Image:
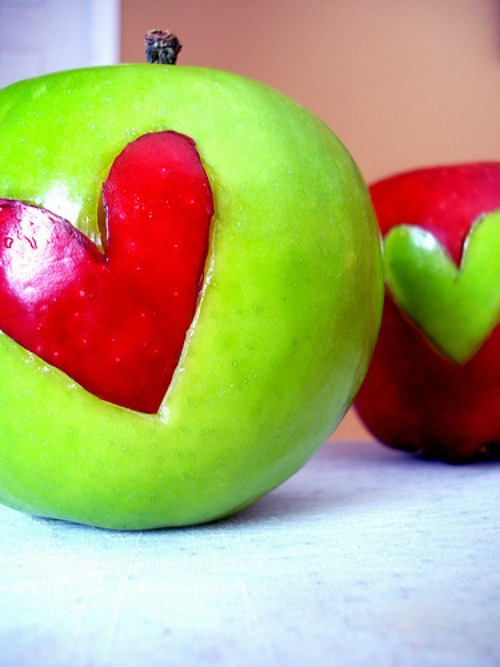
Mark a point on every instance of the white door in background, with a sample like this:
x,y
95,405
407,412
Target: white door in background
x,y
40,36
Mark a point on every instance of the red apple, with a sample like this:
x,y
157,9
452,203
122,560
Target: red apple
x,y
434,381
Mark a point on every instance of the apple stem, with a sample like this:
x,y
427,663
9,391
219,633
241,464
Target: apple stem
x,y
161,47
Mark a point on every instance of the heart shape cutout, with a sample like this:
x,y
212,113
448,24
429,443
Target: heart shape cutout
x,y
455,307
114,321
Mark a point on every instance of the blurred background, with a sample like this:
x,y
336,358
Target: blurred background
x,y
403,84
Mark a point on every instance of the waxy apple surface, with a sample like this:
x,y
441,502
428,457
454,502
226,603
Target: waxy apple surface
x,y
285,322
434,381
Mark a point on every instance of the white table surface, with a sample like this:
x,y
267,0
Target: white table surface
x,y
366,557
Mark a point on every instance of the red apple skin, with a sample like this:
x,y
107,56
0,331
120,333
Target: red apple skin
x,y
114,321
413,398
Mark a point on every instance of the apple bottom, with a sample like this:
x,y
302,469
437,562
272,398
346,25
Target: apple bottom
x,y
415,399
200,459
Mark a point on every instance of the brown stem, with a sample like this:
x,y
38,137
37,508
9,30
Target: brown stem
x,y
161,47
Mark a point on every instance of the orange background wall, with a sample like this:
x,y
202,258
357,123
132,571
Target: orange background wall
x,y
402,83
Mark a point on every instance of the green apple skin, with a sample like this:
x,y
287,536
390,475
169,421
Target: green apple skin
x,y
286,321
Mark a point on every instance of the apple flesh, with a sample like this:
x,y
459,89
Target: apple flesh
x,y
113,321
416,396
285,321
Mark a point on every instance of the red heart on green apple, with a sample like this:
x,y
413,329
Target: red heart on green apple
x,y
455,307
114,321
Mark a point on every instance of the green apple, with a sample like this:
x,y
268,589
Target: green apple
x,y
285,323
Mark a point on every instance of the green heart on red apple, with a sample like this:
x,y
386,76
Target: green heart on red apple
x,y
455,307
284,324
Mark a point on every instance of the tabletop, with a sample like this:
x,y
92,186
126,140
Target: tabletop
x,y
367,556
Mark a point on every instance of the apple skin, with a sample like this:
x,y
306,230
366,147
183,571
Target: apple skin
x,y
414,398
286,320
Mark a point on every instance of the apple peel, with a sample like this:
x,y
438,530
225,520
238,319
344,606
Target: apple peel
x,y
114,321
456,308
